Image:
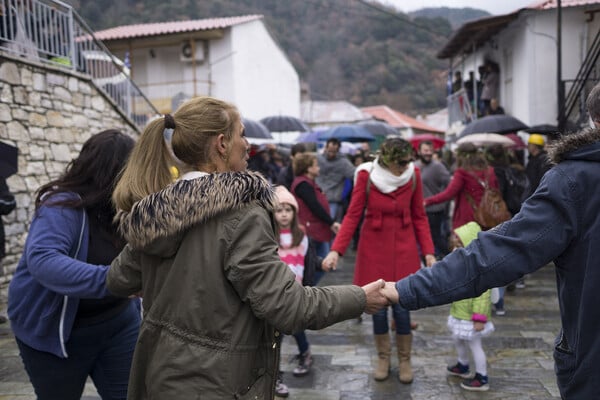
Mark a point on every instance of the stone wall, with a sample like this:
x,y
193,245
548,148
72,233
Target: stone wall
x,y
48,113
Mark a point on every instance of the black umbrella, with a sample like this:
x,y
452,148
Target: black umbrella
x,y
284,123
8,160
379,128
255,129
494,124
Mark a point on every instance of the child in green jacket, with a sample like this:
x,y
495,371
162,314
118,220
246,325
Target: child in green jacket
x,y
469,321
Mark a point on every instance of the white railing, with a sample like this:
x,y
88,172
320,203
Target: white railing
x,y
50,31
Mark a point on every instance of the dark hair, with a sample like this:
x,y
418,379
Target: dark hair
x,y
470,158
427,142
92,175
496,154
297,148
297,233
334,141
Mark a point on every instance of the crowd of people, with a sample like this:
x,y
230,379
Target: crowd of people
x,y
227,254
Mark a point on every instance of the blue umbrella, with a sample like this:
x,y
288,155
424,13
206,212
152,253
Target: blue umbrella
x,y
379,128
309,137
348,133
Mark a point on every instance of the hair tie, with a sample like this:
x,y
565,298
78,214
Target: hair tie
x,y
169,121
168,136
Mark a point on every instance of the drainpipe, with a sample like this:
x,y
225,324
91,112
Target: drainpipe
x,y
559,82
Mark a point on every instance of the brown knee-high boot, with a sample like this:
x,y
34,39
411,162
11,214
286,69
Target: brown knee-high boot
x,y
384,350
404,343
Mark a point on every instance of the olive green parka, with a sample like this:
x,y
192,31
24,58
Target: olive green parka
x,y
215,293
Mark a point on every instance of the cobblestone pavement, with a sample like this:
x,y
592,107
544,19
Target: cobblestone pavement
x,y
519,353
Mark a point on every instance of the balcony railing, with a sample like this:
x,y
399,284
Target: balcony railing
x,y
50,31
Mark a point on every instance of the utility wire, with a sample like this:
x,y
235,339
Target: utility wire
x,y
399,17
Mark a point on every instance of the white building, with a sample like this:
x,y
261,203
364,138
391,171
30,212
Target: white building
x,y
234,59
524,44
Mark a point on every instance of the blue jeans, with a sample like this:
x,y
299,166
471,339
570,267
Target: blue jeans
x,y
301,341
322,249
103,351
401,317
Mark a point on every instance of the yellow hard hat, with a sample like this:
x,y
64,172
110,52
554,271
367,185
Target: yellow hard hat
x,y
536,139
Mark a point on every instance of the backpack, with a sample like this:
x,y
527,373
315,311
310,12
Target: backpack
x,y
491,210
517,188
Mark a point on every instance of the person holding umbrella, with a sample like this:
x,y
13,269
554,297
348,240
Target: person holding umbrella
x,y
465,187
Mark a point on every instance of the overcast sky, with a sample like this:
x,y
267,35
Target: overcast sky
x,y
495,7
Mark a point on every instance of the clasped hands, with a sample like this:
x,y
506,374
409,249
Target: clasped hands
x,y
380,294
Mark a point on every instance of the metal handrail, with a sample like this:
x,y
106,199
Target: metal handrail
x,y
50,31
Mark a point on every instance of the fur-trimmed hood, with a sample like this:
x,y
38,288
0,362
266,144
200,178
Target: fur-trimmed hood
x,y
169,213
583,145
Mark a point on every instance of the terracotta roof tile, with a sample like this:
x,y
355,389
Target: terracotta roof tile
x,y
397,119
162,28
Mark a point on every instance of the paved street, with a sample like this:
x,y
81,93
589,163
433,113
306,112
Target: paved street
x,y
519,354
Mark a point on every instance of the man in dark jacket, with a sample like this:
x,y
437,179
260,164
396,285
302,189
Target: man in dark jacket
x,y
559,223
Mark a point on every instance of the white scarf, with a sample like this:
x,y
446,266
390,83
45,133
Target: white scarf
x,y
382,178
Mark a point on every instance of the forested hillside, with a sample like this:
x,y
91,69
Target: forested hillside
x,y
456,16
350,50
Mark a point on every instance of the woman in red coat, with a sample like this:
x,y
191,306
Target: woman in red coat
x,y
389,193
472,167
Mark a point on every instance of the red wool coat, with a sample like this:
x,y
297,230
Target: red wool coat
x,y
394,223
464,182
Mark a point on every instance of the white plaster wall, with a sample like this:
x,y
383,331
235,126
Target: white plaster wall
x,y
266,83
526,51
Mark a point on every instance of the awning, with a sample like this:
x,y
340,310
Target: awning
x,y
476,32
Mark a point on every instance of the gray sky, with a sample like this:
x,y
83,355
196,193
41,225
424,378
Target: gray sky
x,y
495,7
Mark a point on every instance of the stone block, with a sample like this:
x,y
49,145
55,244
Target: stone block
x,y
6,94
19,95
26,77
5,113
36,133
36,153
10,73
35,168
63,94
35,99
36,119
16,131
61,152
55,118
98,103
39,82
55,79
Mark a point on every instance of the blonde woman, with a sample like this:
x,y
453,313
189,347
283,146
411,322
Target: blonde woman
x,y
204,254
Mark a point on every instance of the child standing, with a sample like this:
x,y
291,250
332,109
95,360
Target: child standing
x,y
294,251
469,321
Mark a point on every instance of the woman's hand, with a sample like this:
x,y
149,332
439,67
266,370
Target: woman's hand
x,y
335,227
430,260
478,326
330,262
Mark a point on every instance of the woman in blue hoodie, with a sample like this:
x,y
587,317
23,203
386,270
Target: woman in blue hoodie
x,y
66,324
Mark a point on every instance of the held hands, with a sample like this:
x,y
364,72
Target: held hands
x,y
330,262
478,326
391,292
380,294
376,300
430,260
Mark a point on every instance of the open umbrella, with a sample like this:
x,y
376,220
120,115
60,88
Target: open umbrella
x,y
8,160
519,144
255,129
495,124
437,141
348,133
309,137
284,123
486,139
379,128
